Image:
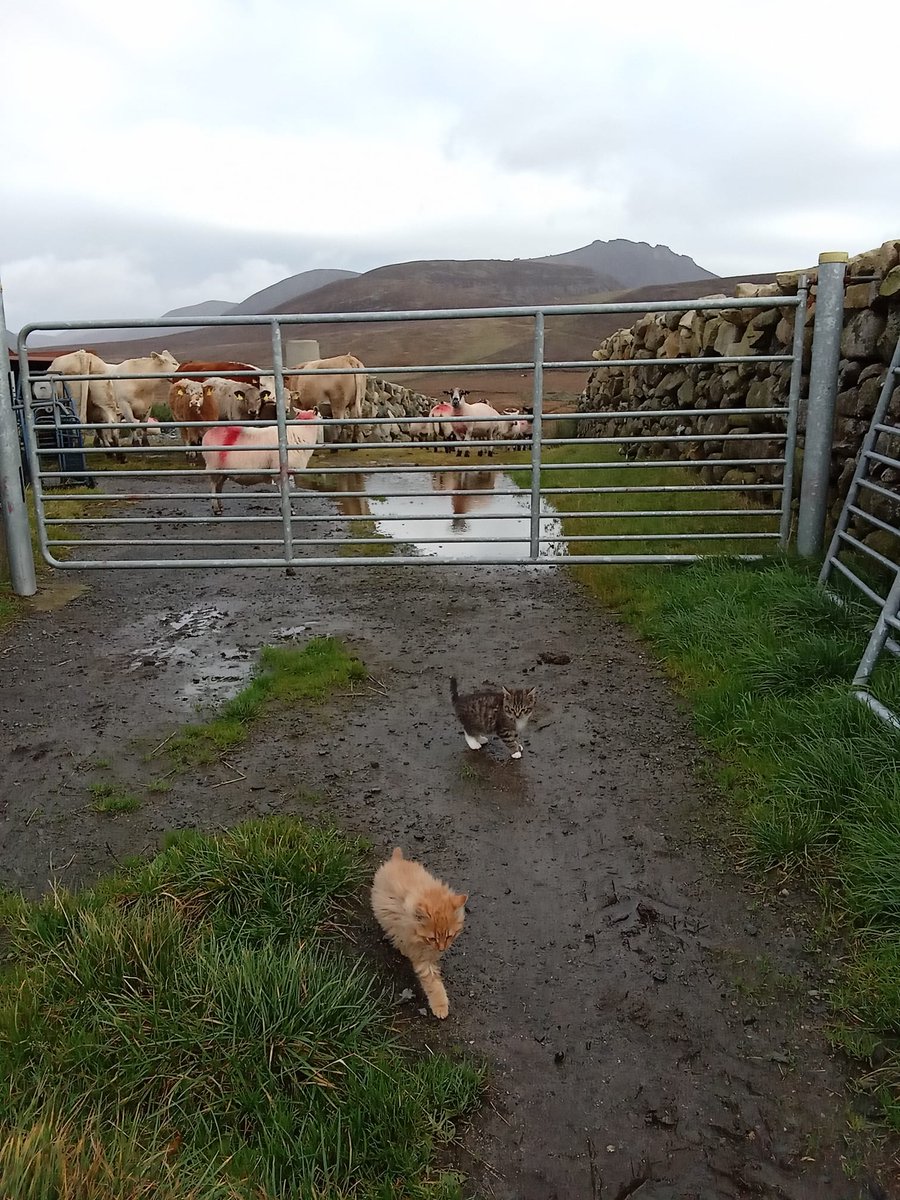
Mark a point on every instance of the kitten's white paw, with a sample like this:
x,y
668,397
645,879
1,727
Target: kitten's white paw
x,y
516,754
441,1009
472,743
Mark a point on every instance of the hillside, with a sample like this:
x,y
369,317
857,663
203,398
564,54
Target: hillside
x,y
636,264
287,290
207,308
447,283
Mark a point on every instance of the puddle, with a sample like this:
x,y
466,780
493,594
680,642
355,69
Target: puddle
x,y
199,657
439,523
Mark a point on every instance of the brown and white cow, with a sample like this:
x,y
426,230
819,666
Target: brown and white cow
x,y
201,371
344,393
187,403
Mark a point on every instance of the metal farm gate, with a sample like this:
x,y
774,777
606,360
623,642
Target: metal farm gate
x,y
871,514
151,507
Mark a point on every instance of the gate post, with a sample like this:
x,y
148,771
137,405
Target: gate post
x,y
826,354
14,516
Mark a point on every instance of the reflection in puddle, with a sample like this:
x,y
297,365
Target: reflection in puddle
x,y
439,523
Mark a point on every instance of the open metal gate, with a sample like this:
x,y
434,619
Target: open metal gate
x,y
871,513
569,487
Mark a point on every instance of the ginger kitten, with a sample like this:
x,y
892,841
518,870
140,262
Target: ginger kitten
x,y
485,714
421,916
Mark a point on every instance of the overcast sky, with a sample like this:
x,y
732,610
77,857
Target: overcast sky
x,y
160,154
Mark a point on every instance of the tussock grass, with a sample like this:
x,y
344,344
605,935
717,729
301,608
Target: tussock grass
x,y
196,1029
286,675
112,799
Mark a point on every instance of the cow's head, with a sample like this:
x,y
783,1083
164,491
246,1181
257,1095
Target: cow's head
x,y
249,399
164,360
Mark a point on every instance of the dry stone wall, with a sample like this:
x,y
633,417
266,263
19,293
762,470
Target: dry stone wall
x,y
384,399
870,332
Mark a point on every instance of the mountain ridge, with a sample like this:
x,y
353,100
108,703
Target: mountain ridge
x,y
637,264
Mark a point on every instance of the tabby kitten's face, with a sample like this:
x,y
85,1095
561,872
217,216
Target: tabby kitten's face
x,y
518,704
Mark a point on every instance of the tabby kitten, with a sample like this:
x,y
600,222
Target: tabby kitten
x,y
421,916
484,714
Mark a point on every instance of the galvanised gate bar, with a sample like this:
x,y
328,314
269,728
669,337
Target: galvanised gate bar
x,y
153,508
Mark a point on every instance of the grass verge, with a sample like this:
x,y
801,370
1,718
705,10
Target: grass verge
x,y
196,1029
669,514
11,605
286,674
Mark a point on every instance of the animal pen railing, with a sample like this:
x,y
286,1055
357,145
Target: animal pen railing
x,y
154,511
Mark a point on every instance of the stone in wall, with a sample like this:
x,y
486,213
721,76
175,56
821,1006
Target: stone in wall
x,y
384,399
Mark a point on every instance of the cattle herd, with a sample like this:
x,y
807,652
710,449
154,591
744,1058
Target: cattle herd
x,y
205,398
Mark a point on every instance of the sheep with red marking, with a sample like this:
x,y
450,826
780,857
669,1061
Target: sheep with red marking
x,y
467,430
443,429
228,449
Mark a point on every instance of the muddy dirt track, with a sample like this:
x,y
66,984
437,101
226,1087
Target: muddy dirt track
x,y
648,1023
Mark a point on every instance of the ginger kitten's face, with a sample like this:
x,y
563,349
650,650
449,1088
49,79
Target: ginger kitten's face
x,y
439,919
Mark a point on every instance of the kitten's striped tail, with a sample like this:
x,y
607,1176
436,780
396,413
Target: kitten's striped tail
x,y
454,693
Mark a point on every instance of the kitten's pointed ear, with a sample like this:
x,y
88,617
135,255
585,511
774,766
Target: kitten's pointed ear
x,y
421,914
460,899
532,693
506,694
398,853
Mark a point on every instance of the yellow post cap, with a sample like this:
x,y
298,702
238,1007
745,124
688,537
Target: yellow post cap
x,y
834,256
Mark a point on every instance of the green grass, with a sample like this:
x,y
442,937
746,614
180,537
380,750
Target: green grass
x,y
286,675
110,798
197,1028
11,605
365,527
745,520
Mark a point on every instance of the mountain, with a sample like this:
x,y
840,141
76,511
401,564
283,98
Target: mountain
x,y
441,283
451,283
295,285
636,264
207,308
